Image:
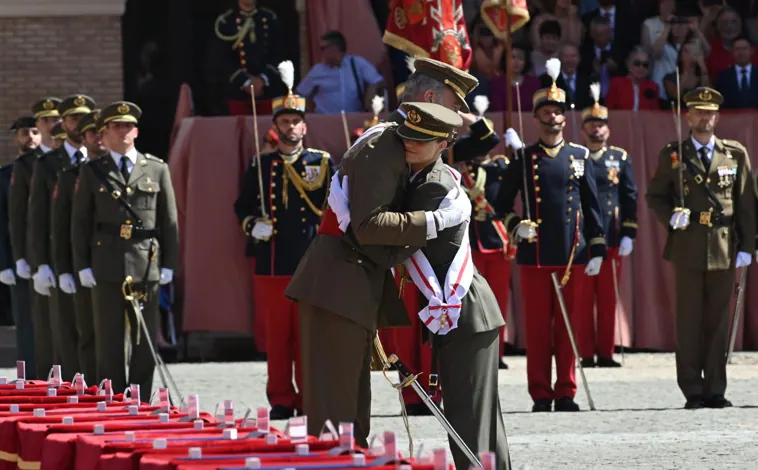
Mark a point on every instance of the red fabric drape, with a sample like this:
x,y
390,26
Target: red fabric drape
x,y
210,154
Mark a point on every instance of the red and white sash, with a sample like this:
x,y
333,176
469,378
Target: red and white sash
x,y
444,309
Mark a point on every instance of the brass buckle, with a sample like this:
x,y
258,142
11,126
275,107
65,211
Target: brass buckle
x,y
698,179
433,382
126,231
705,218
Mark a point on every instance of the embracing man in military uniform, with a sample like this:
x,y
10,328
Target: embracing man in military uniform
x,y
703,192
124,224
281,218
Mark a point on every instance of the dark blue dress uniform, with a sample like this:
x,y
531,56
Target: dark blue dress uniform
x,y
246,46
294,193
617,193
562,195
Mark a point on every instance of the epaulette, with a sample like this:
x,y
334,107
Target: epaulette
x,y
154,158
583,148
501,157
268,11
734,144
324,154
620,150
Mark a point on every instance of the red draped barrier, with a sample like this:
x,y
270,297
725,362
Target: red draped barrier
x,y
210,154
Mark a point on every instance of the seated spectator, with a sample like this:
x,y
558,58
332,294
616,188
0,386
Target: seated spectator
x,y
575,84
739,83
565,12
550,41
342,82
635,91
528,84
664,48
728,28
487,53
693,73
600,56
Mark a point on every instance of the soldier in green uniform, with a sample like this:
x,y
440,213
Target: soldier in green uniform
x,y
46,115
124,223
711,232
46,168
63,197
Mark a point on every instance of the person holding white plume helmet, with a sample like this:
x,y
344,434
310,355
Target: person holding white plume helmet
x,y
560,227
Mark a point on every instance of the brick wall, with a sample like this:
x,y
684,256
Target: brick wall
x,y
56,56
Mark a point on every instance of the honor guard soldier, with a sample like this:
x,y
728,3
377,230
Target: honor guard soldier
x,y
62,250
281,217
247,38
46,115
46,168
561,225
26,137
711,222
617,194
124,225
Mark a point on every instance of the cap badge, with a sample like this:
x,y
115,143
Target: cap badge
x,y
48,105
554,93
705,95
290,102
414,117
123,108
96,117
79,101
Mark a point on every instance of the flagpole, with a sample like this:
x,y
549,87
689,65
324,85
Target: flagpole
x,y
508,77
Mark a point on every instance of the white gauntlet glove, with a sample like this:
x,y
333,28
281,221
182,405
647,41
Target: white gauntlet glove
x,y
7,277
67,283
45,276
593,267
262,231
625,247
680,219
23,269
526,230
167,275
512,139
743,259
338,201
87,278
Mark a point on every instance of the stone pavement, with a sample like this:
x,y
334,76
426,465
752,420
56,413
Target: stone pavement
x,y
639,422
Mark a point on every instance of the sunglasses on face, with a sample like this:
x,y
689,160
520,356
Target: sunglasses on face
x,y
641,63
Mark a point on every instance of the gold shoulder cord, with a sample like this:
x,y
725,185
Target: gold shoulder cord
x,y
237,38
302,186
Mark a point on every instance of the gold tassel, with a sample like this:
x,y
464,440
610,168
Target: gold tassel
x,y
567,274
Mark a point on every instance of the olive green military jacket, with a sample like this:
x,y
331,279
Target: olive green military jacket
x,y
43,181
350,275
18,201
107,238
63,201
710,242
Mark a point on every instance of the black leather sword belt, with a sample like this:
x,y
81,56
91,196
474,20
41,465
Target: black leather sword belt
x,y
127,231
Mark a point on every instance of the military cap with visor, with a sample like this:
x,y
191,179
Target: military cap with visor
x,y
46,107
23,122
462,83
291,102
596,112
58,132
425,122
703,98
89,121
551,95
120,111
76,104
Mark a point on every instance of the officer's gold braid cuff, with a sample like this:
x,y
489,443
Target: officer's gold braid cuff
x,y
629,224
597,241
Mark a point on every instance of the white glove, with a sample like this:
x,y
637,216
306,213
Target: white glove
x,y
167,275
526,231
7,277
625,247
680,219
67,283
338,201
512,139
40,287
87,278
453,210
743,259
45,276
593,267
23,269
262,231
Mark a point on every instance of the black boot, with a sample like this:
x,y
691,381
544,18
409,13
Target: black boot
x,y
566,404
717,401
281,412
588,362
607,362
694,402
502,365
542,405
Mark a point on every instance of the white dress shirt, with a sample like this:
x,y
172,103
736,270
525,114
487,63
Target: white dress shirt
x,y
747,68
132,159
709,146
71,150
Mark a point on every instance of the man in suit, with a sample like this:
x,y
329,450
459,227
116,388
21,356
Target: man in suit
x,y
295,183
600,56
62,249
343,283
124,224
46,168
711,233
576,84
617,193
560,231
739,83
467,348
26,137
624,30
46,115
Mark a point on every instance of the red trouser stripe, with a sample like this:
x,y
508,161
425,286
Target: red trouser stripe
x,y
598,337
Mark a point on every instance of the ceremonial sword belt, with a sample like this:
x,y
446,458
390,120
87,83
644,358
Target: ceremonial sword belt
x,y
127,231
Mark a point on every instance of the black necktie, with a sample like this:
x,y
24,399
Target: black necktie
x,y
743,79
78,157
704,157
125,167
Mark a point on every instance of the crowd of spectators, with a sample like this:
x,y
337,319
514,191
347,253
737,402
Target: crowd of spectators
x,y
634,58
